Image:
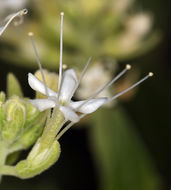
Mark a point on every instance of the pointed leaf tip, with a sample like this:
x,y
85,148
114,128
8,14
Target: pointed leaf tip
x,y
13,86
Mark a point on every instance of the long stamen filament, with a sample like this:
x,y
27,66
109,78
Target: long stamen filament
x,y
30,34
131,87
82,74
67,127
128,67
64,130
61,52
19,13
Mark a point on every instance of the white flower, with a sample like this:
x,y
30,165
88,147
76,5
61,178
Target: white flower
x,y
68,83
63,98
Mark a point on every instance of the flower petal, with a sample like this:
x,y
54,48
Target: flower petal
x,y
88,106
68,85
43,104
69,114
37,85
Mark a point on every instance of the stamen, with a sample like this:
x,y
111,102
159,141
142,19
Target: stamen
x,y
31,34
23,12
11,17
61,51
82,74
131,87
64,66
128,67
67,127
64,130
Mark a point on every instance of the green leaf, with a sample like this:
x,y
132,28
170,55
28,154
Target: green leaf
x,y
13,86
122,161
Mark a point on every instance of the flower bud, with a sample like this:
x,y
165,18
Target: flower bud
x,y
38,160
14,112
13,86
2,97
32,128
32,114
21,124
33,132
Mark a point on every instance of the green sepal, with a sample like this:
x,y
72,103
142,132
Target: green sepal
x,y
2,97
1,117
13,86
33,133
1,120
38,160
2,100
32,114
15,114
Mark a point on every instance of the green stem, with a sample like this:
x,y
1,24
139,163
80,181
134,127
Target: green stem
x,y
8,170
3,156
52,128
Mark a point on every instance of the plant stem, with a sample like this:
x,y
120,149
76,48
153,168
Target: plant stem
x,y
8,170
3,156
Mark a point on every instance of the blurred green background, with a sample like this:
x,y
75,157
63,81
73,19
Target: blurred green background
x,y
125,147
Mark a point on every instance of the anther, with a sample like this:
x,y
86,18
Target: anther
x,y
30,34
150,74
23,12
128,67
64,66
62,13
131,87
10,18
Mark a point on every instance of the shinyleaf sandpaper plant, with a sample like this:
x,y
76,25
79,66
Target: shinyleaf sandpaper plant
x,y
41,122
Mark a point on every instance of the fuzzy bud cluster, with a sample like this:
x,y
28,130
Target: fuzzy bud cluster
x,y
21,124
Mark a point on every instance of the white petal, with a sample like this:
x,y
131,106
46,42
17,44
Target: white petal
x,y
68,85
88,106
37,85
69,114
43,104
